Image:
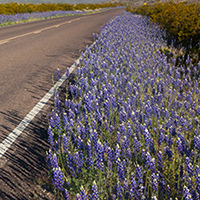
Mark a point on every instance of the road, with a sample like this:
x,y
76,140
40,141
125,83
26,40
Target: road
x,y
30,54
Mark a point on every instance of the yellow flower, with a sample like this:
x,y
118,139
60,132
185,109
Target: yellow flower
x,y
145,4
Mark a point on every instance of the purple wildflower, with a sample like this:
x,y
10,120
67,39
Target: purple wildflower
x,y
58,74
100,156
133,188
67,73
90,154
139,175
186,194
95,193
119,191
160,161
121,169
154,178
66,195
168,152
58,178
65,143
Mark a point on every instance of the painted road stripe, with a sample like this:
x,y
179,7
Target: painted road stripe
x,y
5,145
39,31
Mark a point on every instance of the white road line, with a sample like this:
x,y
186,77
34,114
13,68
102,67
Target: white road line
x,y
38,31
3,41
5,145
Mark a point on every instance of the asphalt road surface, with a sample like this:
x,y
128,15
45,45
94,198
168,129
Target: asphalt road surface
x,y
30,54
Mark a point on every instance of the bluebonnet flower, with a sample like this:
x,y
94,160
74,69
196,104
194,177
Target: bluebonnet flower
x,y
139,176
109,158
161,137
190,169
154,178
88,104
107,108
55,120
58,178
67,73
136,144
90,154
65,142
51,120
123,115
196,141
52,160
95,193
82,194
66,195
197,178
119,191
180,147
70,163
125,145
70,114
150,162
147,137
67,104
78,159
100,156
172,131
160,161
121,169
58,74
143,156
168,191
186,194
114,196
133,188
187,161
168,152
126,190
65,119
80,143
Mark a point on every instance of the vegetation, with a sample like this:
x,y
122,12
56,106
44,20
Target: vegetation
x,y
129,127
15,8
182,23
14,13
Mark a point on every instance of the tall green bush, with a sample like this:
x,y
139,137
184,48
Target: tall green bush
x,y
181,21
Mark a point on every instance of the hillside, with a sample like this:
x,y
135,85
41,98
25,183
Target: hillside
x,y
137,3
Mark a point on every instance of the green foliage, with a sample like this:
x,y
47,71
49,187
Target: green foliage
x,y
180,20
14,8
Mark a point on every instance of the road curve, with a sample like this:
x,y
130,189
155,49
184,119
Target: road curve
x,y
29,56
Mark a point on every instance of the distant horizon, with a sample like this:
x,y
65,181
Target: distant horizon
x,y
53,1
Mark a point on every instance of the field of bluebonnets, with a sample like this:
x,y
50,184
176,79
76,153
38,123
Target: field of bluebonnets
x,y
13,13
131,127
25,17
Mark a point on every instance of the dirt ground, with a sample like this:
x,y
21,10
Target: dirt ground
x,y
23,170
